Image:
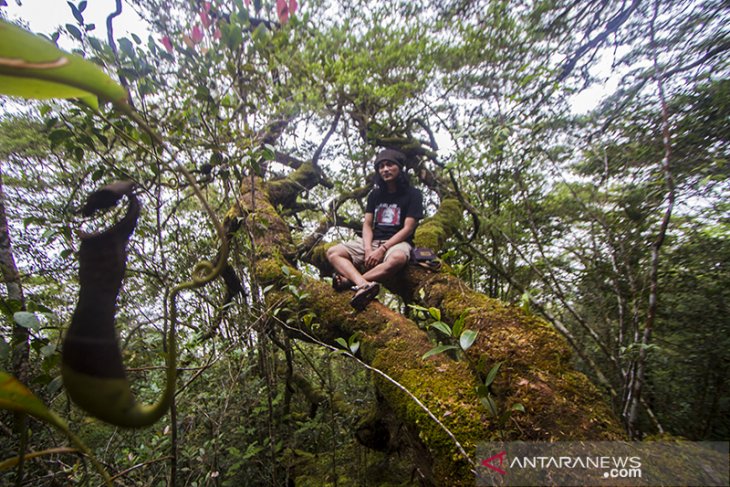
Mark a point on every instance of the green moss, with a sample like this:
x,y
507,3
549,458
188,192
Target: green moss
x,y
440,384
319,255
284,191
559,402
536,370
434,231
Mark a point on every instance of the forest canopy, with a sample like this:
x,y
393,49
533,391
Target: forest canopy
x,y
584,250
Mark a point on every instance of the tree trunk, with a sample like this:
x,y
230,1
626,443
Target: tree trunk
x,y
19,344
559,402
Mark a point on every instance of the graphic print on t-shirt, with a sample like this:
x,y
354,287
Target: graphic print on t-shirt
x,y
387,214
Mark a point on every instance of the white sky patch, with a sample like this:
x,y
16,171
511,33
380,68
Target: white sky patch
x,y
589,98
607,82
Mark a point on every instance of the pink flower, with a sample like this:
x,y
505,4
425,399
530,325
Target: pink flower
x,y
206,7
167,43
205,19
285,8
197,34
247,2
217,33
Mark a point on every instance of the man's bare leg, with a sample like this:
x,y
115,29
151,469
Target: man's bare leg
x,y
340,260
386,269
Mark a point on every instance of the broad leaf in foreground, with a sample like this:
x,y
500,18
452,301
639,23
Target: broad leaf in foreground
x,y
32,67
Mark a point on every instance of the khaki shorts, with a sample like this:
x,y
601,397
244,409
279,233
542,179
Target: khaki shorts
x,y
356,250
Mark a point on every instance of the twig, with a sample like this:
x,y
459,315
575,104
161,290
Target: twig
x,y
613,24
11,462
318,152
113,46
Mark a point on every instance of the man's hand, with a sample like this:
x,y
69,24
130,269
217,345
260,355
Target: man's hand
x,y
374,257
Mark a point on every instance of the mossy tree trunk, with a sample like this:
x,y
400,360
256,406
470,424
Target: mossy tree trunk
x,y
559,403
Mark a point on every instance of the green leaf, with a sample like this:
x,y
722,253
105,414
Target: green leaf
x,y
442,327
342,341
126,46
437,350
458,326
418,308
39,308
308,318
54,386
518,407
459,323
235,37
489,404
33,88
48,350
74,31
492,374
14,396
216,159
95,43
76,13
8,307
260,33
435,313
33,67
27,320
467,339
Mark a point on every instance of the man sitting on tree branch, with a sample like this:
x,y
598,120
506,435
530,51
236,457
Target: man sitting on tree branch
x,y
391,216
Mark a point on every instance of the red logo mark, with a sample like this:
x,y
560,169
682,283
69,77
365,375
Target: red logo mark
x,y
499,456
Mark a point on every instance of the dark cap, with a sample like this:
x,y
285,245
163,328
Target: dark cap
x,y
391,155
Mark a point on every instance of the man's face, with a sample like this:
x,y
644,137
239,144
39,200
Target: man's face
x,y
388,170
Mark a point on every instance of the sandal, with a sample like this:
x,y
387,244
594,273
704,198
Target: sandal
x,y
364,295
341,283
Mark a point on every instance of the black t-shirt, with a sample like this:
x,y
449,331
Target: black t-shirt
x,y
390,211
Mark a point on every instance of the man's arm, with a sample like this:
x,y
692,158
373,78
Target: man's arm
x,y
377,256
409,226
367,234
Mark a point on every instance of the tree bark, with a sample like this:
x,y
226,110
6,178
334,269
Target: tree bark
x,y
20,347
